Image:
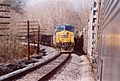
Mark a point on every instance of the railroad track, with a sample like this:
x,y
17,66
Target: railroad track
x,y
38,72
55,66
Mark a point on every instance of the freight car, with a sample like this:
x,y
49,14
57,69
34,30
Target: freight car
x,y
46,39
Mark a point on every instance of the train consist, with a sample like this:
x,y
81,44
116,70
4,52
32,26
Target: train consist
x,y
64,38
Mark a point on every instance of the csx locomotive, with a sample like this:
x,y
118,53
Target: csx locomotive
x,y
64,38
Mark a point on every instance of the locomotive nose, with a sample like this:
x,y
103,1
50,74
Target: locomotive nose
x,y
65,34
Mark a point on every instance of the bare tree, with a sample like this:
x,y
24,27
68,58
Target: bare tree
x,y
62,12
9,45
16,5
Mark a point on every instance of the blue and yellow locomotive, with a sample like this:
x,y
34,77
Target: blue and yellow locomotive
x,y
64,38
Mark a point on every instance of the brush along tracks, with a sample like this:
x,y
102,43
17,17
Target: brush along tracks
x,y
38,71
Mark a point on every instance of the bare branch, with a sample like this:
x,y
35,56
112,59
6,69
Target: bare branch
x,y
16,5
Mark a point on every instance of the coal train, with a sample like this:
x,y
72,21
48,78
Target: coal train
x,y
64,39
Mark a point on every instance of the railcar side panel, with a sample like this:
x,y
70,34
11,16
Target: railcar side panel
x,y
109,49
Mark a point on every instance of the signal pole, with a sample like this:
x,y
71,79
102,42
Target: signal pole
x,y
38,45
28,33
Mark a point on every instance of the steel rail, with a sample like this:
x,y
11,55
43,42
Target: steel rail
x,y
52,72
20,72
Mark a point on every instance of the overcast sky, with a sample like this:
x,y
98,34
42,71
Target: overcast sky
x,y
33,6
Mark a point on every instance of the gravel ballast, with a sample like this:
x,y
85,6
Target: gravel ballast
x,y
78,69
42,71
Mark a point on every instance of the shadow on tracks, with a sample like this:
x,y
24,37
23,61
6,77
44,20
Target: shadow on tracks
x,y
78,48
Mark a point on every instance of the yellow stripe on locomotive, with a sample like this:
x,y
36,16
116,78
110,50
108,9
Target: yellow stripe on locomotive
x,y
64,37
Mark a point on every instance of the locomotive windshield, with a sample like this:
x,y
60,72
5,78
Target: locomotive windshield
x,y
69,28
64,27
59,28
